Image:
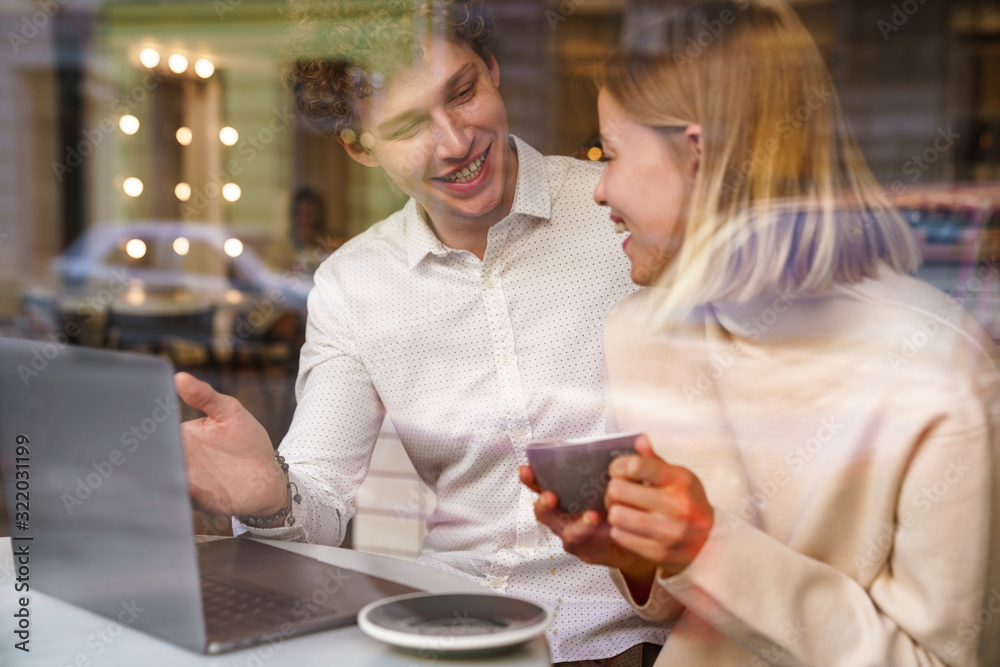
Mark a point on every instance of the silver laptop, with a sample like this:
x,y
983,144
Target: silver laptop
x,y
96,487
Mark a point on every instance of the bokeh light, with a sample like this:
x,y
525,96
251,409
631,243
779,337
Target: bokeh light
x,y
233,247
132,186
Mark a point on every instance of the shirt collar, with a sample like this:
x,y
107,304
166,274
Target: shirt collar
x,y
533,201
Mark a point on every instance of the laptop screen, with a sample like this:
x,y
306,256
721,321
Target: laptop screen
x,y
108,523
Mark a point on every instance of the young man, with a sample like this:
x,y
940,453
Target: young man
x,y
473,317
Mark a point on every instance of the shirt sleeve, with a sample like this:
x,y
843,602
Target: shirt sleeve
x,y
329,445
924,607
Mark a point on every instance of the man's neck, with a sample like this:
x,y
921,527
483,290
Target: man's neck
x,y
461,233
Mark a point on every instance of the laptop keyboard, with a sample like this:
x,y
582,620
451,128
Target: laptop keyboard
x,y
233,609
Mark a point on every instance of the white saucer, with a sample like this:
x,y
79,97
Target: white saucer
x,y
453,622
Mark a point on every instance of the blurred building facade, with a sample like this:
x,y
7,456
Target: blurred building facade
x,y
920,82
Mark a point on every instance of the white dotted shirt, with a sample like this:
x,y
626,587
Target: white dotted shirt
x,y
472,360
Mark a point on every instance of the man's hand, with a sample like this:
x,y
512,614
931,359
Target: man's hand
x,y
586,535
657,511
230,460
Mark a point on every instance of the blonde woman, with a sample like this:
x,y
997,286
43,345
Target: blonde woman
x,y
819,484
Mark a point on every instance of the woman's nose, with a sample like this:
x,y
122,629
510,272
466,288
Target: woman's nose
x,y
599,192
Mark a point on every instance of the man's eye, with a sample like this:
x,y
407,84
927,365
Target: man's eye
x,y
407,131
465,93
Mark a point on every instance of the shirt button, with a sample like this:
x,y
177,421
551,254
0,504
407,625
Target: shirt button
x,y
492,282
506,360
520,434
496,582
525,551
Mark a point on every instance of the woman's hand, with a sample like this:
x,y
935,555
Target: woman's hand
x,y
657,511
586,535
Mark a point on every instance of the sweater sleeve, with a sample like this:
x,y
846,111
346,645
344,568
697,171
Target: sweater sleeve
x,y
659,607
926,606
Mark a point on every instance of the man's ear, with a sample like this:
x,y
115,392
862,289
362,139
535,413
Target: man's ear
x,y
494,68
359,153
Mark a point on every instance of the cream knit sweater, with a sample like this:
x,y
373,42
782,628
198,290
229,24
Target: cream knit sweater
x,y
850,444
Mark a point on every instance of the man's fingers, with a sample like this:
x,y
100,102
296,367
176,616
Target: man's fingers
x,y
580,530
548,513
200,395
528,478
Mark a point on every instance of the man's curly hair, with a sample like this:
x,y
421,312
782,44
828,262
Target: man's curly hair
x,y
344,49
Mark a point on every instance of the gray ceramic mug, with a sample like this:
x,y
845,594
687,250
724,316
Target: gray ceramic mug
x,y
577,470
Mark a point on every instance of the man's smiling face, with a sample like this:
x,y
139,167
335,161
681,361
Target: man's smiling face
x,y
439,130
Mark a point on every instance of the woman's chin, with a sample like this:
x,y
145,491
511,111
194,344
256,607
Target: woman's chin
x,y
641,277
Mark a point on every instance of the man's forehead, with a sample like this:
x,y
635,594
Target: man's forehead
x,y
416,84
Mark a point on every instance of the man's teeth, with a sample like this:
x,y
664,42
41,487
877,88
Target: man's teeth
x,y
468,173
620,228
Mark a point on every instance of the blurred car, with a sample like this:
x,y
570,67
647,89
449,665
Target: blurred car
x,y
958,230
954,223
168,268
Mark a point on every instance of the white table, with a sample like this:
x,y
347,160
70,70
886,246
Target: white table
x,y
63,634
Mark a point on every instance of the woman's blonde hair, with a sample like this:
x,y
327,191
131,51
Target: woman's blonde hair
x,y
783,199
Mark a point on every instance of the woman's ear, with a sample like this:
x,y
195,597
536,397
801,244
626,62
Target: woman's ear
x,y
693,136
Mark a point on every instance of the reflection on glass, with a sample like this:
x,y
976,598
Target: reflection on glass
x,y
135,295
231,192
132,186
204,68
233,247
135,249
149,57
229,136
129,124
177,63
